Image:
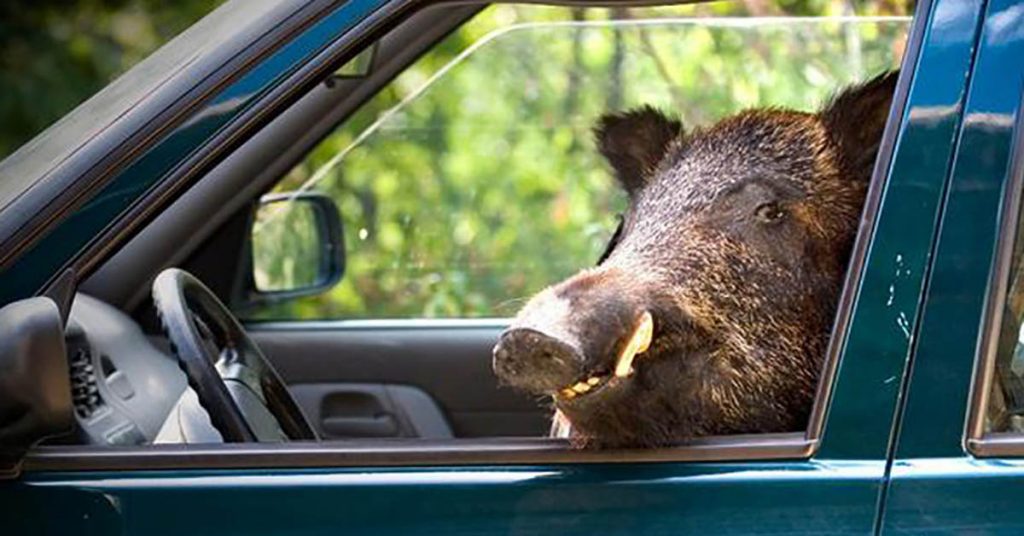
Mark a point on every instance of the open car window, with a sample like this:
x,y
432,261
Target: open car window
x,y
473,181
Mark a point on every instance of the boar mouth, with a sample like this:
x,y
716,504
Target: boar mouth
x,y
637,343
544,358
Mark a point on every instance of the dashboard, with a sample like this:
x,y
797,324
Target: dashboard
x,y
124,387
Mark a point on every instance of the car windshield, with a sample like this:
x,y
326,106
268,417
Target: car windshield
x,y
32,162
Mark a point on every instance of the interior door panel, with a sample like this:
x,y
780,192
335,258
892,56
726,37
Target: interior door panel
x,y
399,379
371,410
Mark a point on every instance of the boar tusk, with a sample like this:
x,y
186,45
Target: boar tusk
x,y
638,343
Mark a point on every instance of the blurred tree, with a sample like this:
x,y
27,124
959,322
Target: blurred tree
x,y
56,53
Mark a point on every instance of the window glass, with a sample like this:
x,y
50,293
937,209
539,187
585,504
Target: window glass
x,y
1006,400
472,181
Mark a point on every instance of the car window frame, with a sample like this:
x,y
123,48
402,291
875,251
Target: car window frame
x,y
521,451
976,441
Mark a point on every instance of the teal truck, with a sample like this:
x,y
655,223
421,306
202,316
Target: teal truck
x,y
201,333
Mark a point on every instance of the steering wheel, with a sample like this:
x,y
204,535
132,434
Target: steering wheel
x,y
234,382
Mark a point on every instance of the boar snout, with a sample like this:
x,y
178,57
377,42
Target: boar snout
x,y
535,361
576,338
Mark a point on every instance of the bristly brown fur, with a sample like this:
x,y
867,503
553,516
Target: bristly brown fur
x,y
736,240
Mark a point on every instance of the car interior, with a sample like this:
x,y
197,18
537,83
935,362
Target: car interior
x,y
194,307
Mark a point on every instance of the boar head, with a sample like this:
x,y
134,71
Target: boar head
x,y
711,310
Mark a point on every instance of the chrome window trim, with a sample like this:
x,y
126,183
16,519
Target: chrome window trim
x,y
413,453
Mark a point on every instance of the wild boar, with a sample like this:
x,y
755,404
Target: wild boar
x,y
711,311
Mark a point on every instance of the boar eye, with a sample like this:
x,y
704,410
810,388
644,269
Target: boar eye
x,y
769,212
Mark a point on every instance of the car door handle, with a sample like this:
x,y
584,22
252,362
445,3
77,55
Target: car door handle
x,y
381,425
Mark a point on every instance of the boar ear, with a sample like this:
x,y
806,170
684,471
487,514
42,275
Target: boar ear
x,y
634,142
856,119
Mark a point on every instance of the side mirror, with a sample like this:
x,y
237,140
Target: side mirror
x,y
35,388
297,247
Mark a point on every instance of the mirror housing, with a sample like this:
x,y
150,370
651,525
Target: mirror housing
x,y
296,247
35,387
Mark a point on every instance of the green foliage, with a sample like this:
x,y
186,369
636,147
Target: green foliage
x,y
56,53
472,180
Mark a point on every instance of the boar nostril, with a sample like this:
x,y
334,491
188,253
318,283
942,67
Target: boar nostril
x,y
535,361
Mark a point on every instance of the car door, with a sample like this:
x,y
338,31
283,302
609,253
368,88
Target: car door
x,y
957,466
826,480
